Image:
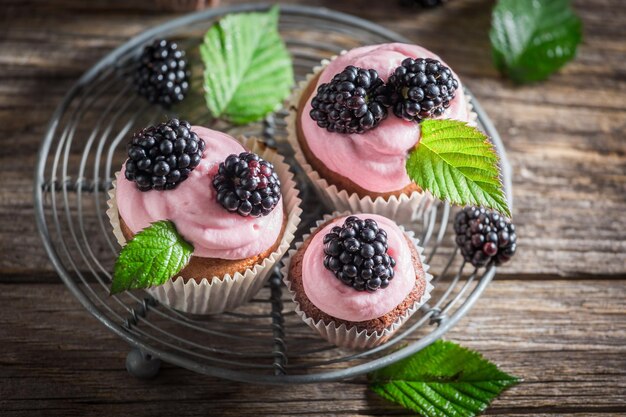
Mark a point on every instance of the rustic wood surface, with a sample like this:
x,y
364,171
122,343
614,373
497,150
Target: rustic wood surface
x,y
556,316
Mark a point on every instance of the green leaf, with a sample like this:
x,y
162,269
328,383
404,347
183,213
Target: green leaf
x,y
152,257
531,39
442,380
248,71
456,162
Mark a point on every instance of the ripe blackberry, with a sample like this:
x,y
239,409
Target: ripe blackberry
x,y
161,157
353,102
484,236
162,75
357,254
247,184
421,88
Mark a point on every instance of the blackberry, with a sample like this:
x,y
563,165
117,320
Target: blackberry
x,y
353,102
421,88
161,157
484,236
247,184
161,74
357,254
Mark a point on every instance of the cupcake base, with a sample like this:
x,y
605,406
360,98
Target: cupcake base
x,y
404,206
354,335
233,283
375,325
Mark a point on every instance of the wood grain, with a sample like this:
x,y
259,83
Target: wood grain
x,y
566,339
565,141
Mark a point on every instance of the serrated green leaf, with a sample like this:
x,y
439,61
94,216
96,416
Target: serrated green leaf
x,y
248,71
531,39
456,162
152,257
442,380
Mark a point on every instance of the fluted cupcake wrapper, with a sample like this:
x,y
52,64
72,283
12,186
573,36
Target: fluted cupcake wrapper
x,y
212,295
350,336
403,209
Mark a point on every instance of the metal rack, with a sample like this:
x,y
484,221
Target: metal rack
x,y
263,341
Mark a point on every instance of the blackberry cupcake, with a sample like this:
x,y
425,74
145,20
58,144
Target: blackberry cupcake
x,y
234,201
353,121
356,279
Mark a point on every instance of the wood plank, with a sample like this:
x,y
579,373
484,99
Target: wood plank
x,y
564,138
565,338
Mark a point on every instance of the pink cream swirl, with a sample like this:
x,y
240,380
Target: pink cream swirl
x,y
338,300
376,159
193,208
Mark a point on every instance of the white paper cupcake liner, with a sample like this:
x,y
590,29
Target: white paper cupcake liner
x,y
351,337
212,295
403,209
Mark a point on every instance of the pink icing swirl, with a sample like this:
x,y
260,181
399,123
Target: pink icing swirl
x,y
338,300
193,208
376,159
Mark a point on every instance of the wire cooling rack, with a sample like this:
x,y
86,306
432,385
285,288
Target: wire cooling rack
x,y
263,341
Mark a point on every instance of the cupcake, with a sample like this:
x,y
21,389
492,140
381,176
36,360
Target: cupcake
x,y
234,201
353,121
356,279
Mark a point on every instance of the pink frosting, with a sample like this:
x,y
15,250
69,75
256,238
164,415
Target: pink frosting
x,y
338,300
193,208
376,159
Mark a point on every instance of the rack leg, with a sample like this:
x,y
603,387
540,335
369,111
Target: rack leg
x,y
142,365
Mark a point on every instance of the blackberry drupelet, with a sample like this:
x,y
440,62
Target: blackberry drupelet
x,y
161,157
484,236
247,184
357,254
421,88
162,75
353,102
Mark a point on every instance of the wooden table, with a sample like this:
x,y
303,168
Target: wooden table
x,y
556,316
